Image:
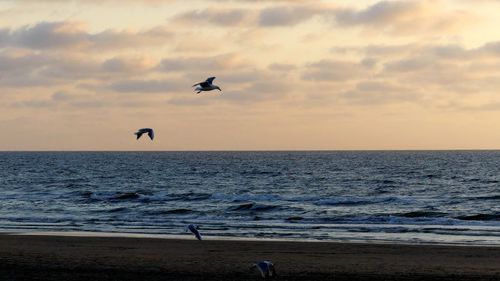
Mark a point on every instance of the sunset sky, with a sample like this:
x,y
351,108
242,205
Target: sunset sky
x,y
295,75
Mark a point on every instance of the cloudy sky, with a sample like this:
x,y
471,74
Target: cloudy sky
x,y
296,74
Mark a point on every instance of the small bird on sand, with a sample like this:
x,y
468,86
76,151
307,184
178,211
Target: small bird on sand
x,y
206,85
194,229
266,269
149,131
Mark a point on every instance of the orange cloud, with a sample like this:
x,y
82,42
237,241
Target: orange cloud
x,y
406,17
59,35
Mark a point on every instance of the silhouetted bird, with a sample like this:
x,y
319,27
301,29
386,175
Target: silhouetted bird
x,y
194,229
206,85
150,132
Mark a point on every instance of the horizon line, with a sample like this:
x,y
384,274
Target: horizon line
x,y
269,150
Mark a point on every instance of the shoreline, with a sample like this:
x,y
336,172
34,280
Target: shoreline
x,y
51,257
188,236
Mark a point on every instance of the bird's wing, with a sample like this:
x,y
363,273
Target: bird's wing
x,y
139,134
263,269
151,134
210,80
196,84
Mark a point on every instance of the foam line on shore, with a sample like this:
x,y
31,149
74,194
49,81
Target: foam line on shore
x,y
231,238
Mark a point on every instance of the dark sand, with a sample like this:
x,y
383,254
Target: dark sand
x,y
118,258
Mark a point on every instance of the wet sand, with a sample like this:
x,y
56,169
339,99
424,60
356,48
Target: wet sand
x,y
124,258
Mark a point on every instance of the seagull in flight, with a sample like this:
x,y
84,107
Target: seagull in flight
x,y
206,85
266,269
194,229
149,131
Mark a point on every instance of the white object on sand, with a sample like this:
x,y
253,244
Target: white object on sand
x,y
266,269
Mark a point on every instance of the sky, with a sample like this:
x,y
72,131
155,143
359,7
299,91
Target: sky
x,y
294,74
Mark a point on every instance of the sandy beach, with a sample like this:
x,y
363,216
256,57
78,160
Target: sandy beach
x,y
127,258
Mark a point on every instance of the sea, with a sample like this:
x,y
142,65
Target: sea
x,y
445,197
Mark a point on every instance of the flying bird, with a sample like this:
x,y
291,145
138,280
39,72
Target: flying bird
x,y
266,269
149,131
206,85
194,229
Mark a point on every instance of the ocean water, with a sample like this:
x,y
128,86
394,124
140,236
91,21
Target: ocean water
x,y
403,196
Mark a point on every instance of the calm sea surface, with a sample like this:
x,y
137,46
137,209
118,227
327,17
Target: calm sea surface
x,y
434,196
